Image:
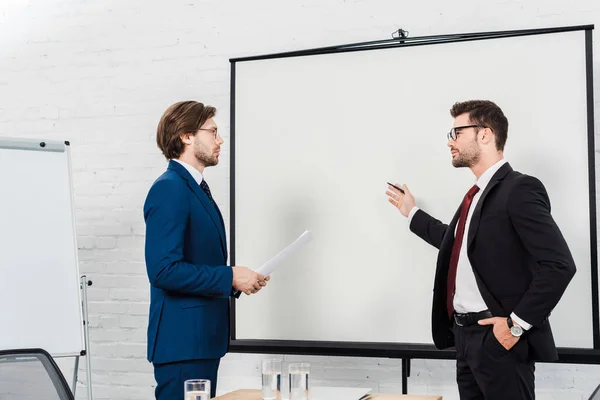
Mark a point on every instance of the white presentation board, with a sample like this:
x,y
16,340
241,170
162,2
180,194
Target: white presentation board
x,y
40,300
317,136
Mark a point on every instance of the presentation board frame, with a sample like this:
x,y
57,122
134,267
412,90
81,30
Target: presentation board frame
x,y
408,351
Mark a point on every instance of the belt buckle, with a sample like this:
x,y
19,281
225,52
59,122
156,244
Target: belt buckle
x,y
456,320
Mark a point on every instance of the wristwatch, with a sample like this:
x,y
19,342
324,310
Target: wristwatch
x,y
515,330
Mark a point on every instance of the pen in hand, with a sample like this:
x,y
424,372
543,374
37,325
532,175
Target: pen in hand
x,y
394,186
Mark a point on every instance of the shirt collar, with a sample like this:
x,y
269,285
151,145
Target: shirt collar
x,y
486,177
197,175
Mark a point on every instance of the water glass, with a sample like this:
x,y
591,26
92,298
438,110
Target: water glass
x,y
197,389
271,379
299,389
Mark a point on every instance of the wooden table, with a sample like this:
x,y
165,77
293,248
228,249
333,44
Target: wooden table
x,y
248,394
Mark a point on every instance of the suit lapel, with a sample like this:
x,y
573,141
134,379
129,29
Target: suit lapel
x,y
474,224
214,213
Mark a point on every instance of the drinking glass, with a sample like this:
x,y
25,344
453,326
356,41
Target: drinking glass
x,y
299,389
197,389
271,379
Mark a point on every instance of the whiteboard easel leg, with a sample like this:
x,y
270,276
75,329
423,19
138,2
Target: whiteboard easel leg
x,y
75,370
89,377
88,354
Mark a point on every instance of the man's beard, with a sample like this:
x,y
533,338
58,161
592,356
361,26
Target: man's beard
x,y
206,159
467,158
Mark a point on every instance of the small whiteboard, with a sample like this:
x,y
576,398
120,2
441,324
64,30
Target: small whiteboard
x,y
40,297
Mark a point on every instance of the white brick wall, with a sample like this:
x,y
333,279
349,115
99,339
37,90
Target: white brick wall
x,y
100,73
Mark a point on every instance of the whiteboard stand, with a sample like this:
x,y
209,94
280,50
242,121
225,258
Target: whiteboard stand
x,y
30,170
84,284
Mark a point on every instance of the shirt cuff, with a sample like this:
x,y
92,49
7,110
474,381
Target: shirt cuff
x,y
519,321
411,213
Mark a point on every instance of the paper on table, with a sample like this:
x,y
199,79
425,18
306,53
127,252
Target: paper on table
x,y
267,268
335,393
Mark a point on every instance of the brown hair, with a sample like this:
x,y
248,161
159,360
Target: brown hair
x,y
486,113
180,118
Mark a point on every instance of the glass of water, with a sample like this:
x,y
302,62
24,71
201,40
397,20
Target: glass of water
x,y
299,389
271,379
197,389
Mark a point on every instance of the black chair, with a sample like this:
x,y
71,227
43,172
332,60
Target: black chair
x,y
31,374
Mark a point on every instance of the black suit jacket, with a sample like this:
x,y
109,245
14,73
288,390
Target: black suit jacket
x,y
520,259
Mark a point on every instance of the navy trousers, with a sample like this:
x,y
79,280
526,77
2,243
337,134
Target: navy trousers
x,y
171,376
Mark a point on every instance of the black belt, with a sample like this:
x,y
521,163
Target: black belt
x,y
471,318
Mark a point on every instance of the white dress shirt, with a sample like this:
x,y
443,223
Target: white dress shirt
x,y
197,175
467,297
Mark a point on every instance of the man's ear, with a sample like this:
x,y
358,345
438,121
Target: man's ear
x,y
487,135
186,138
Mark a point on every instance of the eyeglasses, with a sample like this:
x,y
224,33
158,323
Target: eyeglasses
x,y
211,130
454,131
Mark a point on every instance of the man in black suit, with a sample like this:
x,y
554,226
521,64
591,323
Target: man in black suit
x,y
495,289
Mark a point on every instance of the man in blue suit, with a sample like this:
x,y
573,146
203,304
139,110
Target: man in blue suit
x,y
186,256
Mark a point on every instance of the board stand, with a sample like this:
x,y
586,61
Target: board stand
x,y
83,284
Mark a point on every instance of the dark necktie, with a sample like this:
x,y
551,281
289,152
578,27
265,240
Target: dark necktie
x,y
206,189
462,219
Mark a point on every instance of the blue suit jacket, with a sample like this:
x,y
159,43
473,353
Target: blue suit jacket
x,y
186,253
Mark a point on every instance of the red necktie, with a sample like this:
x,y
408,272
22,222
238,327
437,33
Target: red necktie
x,y
462,219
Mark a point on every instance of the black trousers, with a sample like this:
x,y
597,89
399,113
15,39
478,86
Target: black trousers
x,y
485,370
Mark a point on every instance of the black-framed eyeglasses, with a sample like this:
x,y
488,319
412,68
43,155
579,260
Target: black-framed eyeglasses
x,y
214,131
455,131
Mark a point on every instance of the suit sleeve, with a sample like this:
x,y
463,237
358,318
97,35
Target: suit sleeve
x,y
529,211
428,228
166,213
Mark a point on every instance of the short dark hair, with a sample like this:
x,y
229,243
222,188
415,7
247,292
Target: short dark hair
x,y
486,113
180,118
